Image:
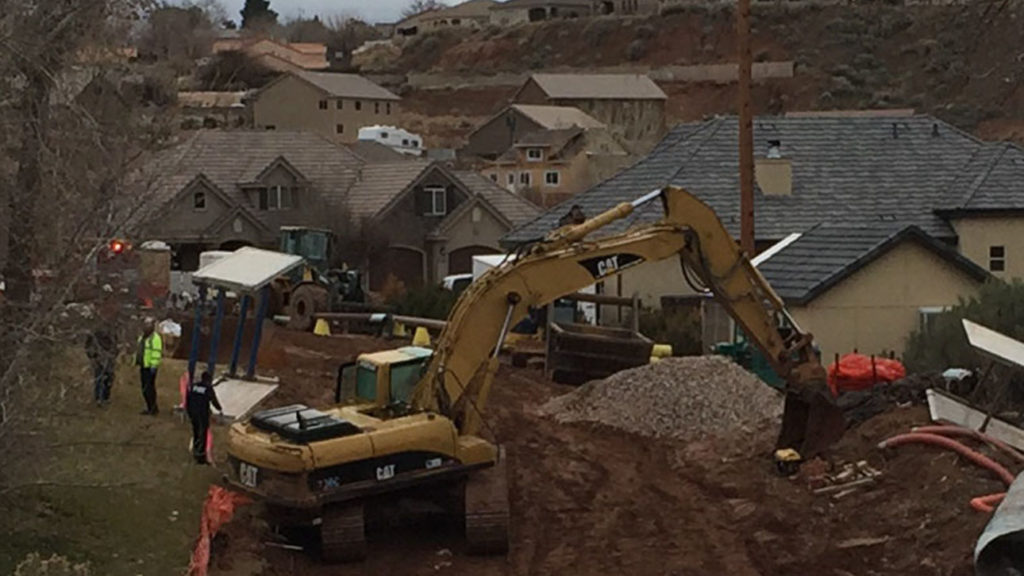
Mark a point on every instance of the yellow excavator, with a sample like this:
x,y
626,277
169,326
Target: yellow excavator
x,y
407,422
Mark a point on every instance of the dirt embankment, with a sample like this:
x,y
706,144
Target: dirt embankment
x,y
589,499
960,62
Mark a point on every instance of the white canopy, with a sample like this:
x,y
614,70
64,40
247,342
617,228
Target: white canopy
x,y
246,270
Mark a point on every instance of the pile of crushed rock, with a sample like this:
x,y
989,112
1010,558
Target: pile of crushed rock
x,y
685,398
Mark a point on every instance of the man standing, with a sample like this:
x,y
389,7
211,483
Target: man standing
x,y
147,357
197,402
101,348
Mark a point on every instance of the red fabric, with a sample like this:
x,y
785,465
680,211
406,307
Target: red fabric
x,y
855,372
218,510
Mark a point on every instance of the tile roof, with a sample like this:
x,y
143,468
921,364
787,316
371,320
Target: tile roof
x,y
871,170
825,255
229,157
553,138
599,86
380,183
470,9
512,206
211,99
371,151
345,85
557,117
996,181
512,4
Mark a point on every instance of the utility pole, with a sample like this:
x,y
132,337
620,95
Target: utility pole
x,y
746,122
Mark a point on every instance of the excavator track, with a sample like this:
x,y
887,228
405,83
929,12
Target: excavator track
x,y
487,509
343,533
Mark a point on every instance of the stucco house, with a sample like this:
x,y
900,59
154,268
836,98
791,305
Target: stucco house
x,y
471,15
331,104
426,221
412,219
632,106
515,12
496,135
912,183
275,54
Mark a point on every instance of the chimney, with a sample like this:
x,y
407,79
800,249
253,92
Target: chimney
x,y
773,173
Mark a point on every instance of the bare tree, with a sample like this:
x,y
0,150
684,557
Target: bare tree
x,y
420,6
179,34
345,35
72,139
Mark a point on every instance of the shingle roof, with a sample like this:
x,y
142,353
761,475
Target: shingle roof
x,y
380,183
557,117
211,99
470,9
229,157
599,86
512,206
345,85
826,254
553,138
512,4
845,170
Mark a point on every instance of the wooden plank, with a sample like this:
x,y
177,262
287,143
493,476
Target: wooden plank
x,y
945,407
239,397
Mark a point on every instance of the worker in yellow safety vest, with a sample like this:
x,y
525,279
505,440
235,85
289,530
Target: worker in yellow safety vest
x,y
149,353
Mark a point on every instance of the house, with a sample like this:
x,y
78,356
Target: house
x,y
408,218
331,104
495,136
473,15
628,7
880,171
212,109
860,287
515,12
425,221
225,189
631,105
274,54
550,166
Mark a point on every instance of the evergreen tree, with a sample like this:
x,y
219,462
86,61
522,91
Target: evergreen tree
x,y
257,13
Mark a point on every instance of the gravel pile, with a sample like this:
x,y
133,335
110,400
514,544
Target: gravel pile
x,y
689,398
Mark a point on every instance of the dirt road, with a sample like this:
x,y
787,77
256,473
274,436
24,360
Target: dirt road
x,y
590,500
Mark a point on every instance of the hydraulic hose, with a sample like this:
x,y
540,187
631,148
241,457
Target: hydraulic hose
x,y
949,430
950,444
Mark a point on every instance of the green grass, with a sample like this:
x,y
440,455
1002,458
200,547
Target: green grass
x,y
114,480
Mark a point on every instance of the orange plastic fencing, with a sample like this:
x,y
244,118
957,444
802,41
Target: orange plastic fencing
x,y
860,372
217,511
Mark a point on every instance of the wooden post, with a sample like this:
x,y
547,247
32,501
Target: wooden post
x,y
636,312
746,128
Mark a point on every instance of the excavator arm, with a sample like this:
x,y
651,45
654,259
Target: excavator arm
x,y
459,376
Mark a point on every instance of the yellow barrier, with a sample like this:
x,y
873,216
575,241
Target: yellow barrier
x,y
322,328
421,337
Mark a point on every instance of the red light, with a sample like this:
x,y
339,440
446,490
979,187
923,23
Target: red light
x,y
116,246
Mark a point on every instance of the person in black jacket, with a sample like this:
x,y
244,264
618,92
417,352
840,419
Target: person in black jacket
x,y
197,402
101,348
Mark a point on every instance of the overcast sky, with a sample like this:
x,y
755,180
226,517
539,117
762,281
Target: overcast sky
x,y
369,10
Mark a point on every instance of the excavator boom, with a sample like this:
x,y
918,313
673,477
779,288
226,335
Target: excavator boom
x,y
459,376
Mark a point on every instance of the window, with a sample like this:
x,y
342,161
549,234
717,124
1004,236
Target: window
x,y
438,201
384,135
339,128
927,317
270,127
534,154
997,258
275,198
366,383
551,178
376,107
524,178
510,179
405,141
456,21
323,104
199,200
359,105
387,108
337,104
415,143
403,379
494,177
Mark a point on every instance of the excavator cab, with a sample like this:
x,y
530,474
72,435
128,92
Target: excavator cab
x,y
382,378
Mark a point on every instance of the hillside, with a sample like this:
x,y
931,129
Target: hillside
x,y
961,63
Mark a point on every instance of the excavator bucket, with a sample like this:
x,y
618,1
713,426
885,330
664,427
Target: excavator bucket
x,y
811,423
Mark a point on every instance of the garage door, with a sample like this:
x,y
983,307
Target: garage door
x,y
461,261
405,264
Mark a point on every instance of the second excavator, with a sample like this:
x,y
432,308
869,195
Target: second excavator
x,y
407,422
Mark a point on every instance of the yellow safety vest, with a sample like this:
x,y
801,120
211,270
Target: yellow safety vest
x,y
152,351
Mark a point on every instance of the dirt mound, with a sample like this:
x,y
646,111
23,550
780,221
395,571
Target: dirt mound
x,y
686,398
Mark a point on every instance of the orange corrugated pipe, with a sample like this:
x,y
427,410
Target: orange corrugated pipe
x,y
953,430
942,441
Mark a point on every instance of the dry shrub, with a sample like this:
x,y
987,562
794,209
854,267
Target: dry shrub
x,y
35,565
